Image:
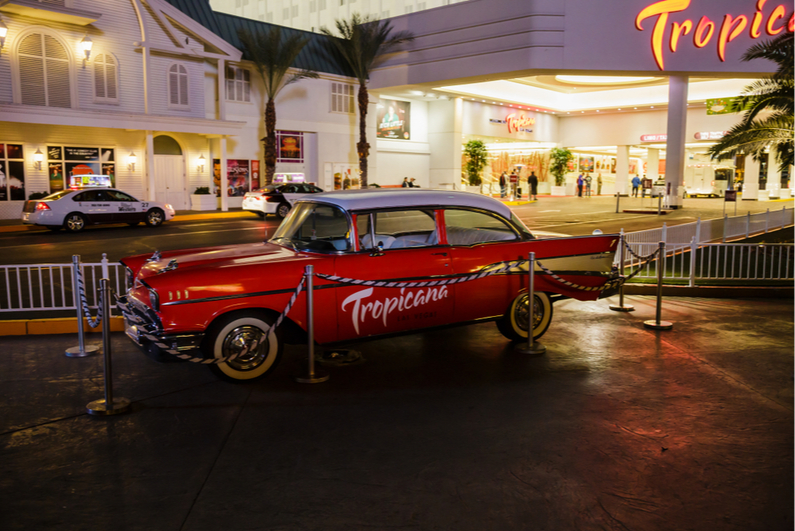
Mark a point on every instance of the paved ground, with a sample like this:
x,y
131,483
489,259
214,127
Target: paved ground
x,y
615,428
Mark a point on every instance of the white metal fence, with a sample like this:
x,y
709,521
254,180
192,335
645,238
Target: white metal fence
x,y
51,287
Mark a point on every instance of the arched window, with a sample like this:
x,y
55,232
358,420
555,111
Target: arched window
x,y
44,72
178,86
105,79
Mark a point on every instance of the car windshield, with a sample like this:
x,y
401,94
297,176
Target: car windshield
x,y
315,227
57,195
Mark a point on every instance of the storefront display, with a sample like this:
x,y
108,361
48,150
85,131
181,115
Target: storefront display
x,y
393,119
12,173
66,165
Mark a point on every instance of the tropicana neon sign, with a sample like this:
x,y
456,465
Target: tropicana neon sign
x,y
730,28
515,123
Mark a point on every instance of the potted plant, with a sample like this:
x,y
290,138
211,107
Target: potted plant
x,y
38,195
202,199
477,158
559,159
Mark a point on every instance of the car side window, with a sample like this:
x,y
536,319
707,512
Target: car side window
x,y
116,195
288,189
469,227
88,195
398,229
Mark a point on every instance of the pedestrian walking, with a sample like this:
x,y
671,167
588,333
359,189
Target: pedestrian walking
x,y
503,184
532,184
599,184
406,183
580,183
635,186
588,184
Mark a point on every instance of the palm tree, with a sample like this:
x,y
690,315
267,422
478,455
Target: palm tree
x,y
273,57
768,107
362,44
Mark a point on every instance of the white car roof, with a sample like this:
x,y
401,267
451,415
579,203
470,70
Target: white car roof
x,y
373,198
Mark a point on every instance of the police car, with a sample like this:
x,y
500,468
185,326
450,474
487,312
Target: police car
x,y
74,209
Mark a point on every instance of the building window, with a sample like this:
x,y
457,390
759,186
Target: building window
x,y
12,173
342,98
409,9
238,84
105,79
295,11
286,13
321,4
290,147
269,16
44,72
312,6
178,86
68,166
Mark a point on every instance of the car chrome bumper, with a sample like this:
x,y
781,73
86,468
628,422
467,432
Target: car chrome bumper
x,y
142,325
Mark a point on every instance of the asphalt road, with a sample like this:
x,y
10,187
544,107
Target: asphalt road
x,y
565,215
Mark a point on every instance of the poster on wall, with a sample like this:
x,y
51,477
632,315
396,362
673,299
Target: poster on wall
x,y
586,164
393,119
237,176
255,174
110,171
346,176
81,154
290,147
571,165
55,169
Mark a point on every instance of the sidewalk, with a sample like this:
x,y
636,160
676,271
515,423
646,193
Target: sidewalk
x,y
616,426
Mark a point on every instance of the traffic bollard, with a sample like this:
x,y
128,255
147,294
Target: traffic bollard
x,y
621,306
81,350
312,377
657,324
109,405
532,346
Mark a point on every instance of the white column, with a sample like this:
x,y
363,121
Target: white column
x,y
224,178
221,89
653,164
149,158
622,170
751,179
675,146
445,140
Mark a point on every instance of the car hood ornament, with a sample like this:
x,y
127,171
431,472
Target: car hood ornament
x,y
154,258
172,265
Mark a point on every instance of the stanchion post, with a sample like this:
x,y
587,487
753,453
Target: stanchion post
x,y
81,350
659,204
108,405
531,347
312,377
618,198
658,324
621,306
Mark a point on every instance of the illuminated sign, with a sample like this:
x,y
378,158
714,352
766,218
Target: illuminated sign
x,y
519,123
771,20
710,135
653,138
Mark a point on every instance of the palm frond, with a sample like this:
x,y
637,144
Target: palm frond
x,y
273,55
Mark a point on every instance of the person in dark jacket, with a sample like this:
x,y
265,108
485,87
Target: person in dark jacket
x,y
532,183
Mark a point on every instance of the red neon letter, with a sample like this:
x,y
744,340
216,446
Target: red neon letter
x,y
698,37
677,31
774,16
755,33
729,31
662,9
791,23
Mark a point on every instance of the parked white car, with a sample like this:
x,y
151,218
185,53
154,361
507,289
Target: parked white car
x,y
277,199
75,208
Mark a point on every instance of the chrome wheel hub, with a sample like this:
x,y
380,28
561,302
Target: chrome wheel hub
x,y
249,343
523,313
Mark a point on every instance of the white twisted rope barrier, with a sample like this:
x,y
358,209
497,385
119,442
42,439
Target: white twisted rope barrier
x,y
81,290
212,361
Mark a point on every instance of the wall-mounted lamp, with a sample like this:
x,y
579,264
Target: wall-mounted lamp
x,y
38,158
86,45
131,160
200,162
3,33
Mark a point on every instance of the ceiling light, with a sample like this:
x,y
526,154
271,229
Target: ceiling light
x,y
602,80
652,106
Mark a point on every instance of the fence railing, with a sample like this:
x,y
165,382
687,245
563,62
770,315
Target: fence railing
x,y
41,287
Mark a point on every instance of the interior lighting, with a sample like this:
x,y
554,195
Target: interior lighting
x,y
3,33
200,162
602,80
86,45
131,160
38,157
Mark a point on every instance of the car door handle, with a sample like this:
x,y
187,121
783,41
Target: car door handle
x,y
438,254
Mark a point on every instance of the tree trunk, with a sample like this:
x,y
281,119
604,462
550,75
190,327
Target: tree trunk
x,y
270,141
362,147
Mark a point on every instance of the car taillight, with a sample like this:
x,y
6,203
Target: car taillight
x,y
273,199
42,206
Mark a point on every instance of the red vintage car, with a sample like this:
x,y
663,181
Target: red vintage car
x,y
422,246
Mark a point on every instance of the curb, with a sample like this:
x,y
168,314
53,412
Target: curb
x,y
65,325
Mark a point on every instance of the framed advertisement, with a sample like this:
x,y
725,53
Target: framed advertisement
x,y
393,120
255,174
290,146
81,154
237,177
55,171
586,164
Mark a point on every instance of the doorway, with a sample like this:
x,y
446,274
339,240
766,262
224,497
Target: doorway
x,y
170,184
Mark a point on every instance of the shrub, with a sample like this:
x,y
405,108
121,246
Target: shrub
x,y
202,190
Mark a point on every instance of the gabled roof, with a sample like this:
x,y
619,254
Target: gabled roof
x,y
317,55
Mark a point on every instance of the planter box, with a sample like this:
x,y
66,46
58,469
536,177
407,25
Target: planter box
x,y
558,190
203,202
